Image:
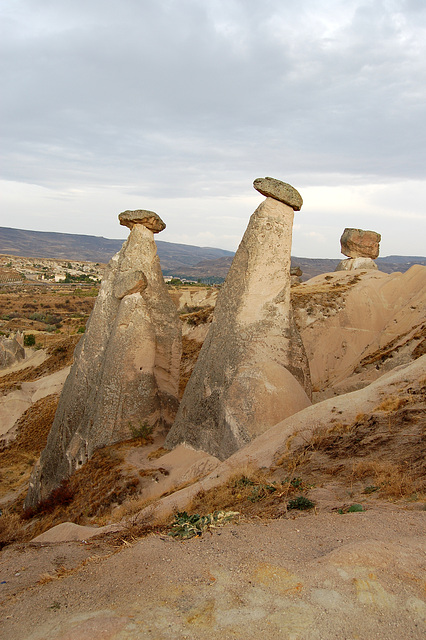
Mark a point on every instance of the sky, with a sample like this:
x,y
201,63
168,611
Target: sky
x,y
176,106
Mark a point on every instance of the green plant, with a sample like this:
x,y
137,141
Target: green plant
x,y
244,482
81,329
144,430
186,526
355,508
29,340
261,491
371,489
301,502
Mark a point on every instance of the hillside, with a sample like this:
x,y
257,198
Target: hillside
x,y
179,260
41,244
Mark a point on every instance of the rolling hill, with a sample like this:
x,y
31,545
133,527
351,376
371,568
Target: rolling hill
x,y
180,260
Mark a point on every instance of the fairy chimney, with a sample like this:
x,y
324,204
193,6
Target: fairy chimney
x,y
125,374
252,371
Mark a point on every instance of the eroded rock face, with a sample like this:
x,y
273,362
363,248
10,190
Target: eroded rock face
x,y
11,351
252,371
356,263
126,366
357,243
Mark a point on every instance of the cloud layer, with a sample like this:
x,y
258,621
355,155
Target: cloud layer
x,y
179,104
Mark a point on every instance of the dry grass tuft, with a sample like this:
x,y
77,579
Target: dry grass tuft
x,y
327,298
87,497
384,450
200,316
392,480
190,351
32,429
392,403
392,347
253,493
10,524
61,355
158,453
130,508
45,578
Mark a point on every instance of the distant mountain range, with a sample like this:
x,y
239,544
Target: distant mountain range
x,y
182,260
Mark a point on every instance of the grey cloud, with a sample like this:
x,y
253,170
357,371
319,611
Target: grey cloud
x,y
194,90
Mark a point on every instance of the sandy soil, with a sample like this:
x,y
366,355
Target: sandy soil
x,y
359,575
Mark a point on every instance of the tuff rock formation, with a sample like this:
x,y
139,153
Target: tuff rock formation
x,y
252,371
11,350
361,247
285,193
356,243
126,367
295,275
356,263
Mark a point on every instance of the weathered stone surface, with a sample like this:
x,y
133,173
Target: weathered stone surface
x,y
357,243
126,366
128,283
356,263
252,370
149,219
11,351
272,188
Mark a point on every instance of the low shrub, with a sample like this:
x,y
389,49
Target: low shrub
x,y
301,502
29,340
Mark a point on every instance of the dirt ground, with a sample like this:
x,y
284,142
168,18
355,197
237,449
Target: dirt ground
x,y
316,577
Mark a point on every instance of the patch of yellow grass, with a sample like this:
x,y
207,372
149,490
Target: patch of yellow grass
x,y
158,453
10,524
392,403
45,578
394,480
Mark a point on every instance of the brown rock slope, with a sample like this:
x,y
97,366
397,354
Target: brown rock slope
x,y
382,424
356,326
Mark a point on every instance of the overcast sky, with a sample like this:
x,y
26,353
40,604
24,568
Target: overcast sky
x,y
178,105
